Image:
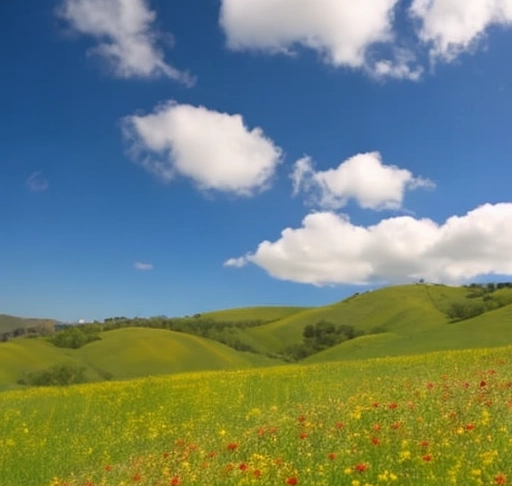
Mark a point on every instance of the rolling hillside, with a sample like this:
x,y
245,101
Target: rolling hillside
x,y
125,353
402,309
264,314
400,320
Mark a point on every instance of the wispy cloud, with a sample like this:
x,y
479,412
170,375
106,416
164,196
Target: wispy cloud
x,y
143,266
126,35
37,183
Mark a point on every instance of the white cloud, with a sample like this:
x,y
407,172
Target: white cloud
x,y
37,183
143,266
214,149
356,34
329,249
235,262
362,177
126,36
454,26
341,32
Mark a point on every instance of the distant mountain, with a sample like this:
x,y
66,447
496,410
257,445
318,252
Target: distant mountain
x,y
11,323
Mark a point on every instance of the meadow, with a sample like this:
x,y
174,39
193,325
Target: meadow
x,y
437,418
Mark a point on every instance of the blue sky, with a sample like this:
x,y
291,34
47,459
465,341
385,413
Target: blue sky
x,y
172,157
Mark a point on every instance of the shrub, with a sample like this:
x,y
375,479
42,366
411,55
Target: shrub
x,y
58,375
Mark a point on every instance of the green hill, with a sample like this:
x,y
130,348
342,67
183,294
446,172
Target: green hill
x,y
403,310
125,353
400,320
428,330
135,352
263,314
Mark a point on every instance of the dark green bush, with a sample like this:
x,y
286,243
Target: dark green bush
x,y
58,375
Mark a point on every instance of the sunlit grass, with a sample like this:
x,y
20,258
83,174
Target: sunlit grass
x,y
442,418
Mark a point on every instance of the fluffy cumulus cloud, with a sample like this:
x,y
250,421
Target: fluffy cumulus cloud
x,y
143,266
36,182
330,249
342,32
363,178
217,150
454,26
353,34
126,37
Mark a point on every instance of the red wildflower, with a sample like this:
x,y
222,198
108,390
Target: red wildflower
x,y
303,435
339,425
291,481
424,443
500,479
175,481
212,454
393,405
483,383
430,386
108,467
243,466
395,425
301,419
136,477
470,427
232,446
257,473
375,404
331,456
361,467
165,455
375,441
376,427
466,385
427,457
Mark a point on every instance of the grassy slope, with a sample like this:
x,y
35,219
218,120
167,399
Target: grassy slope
x,y
20,355
132,352
125,353
429,333
412,317
265,314
402,310
77,431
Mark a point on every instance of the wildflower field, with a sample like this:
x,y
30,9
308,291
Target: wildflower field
x,y
440,418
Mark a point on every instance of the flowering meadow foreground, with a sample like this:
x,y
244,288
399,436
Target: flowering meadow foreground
x,y
442,418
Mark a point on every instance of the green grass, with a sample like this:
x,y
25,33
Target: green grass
x,y
125,353
402,310
440,418
425,332
264,314
410,319
22,355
